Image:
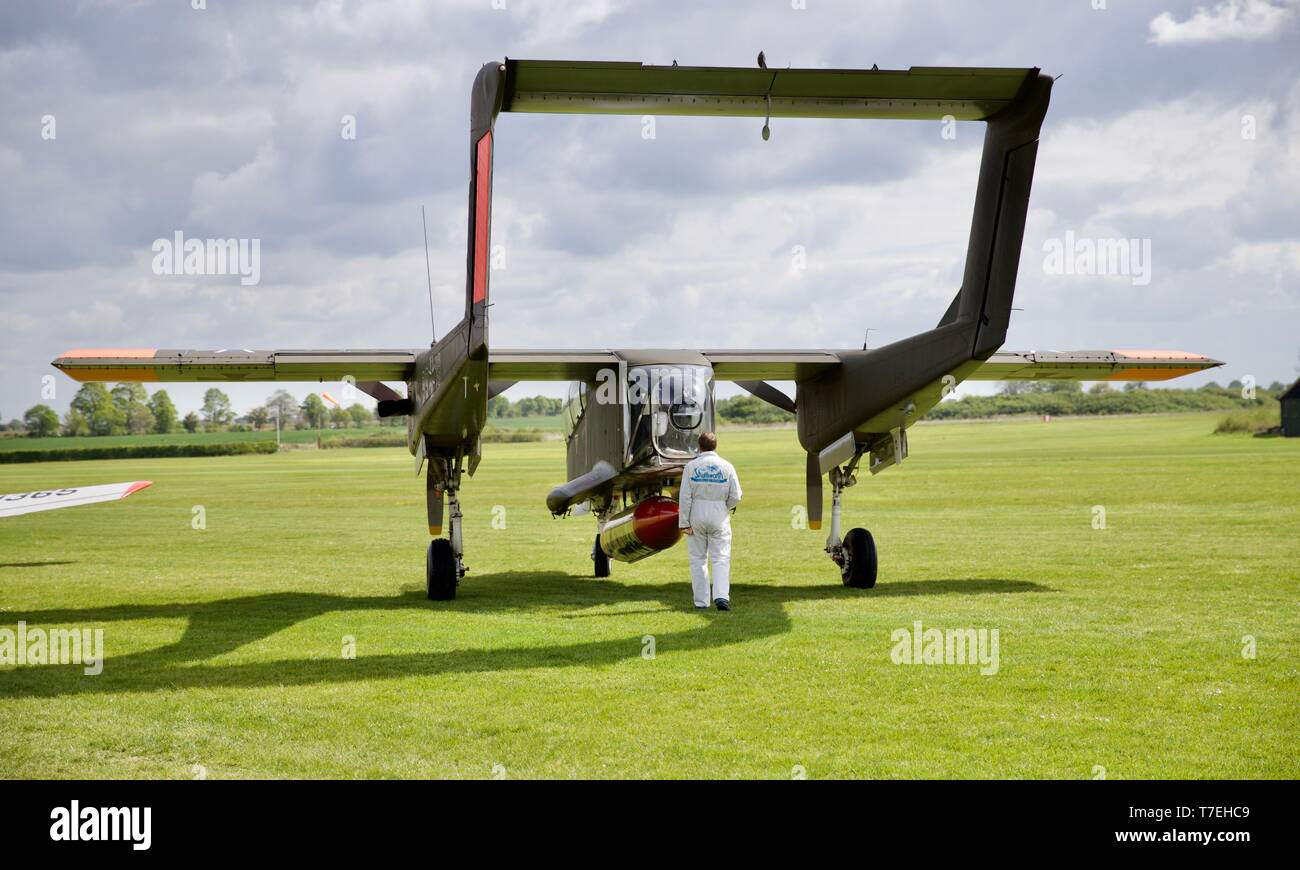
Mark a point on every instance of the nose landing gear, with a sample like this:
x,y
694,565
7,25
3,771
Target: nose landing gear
x,y
443,563
856,553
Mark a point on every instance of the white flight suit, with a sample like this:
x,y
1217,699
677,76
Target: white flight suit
x,y
710,489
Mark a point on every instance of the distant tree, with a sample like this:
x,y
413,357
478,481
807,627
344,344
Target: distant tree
x,y
339,417
1062,387
1276,387
1133,386
164,412
216,407
1015,388
191,422
498,406
75,423
129,399
41,421
140,420
282,404
95,403
314,411
89,398
360,414
750,409
124,395
259,416
1099,388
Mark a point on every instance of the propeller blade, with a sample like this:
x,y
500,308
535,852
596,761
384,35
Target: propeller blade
x,y
379,390
813,477
768,393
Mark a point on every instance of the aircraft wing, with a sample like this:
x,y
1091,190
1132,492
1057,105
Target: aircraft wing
x,y
797,365
512,365
728,365
13,504
1092,365
149,364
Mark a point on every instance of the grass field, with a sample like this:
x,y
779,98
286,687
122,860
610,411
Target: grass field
x,y
1120,648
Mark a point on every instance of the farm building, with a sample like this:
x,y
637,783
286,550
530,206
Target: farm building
x,y
1291,411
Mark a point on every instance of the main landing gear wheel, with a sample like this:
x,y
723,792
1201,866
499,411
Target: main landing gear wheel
x,y
600,558
440,574
858,569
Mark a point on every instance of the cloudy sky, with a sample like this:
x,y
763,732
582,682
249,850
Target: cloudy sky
x,y
126,121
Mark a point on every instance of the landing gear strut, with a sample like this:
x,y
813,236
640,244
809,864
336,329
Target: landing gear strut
x,y
856,553
443,564
599,557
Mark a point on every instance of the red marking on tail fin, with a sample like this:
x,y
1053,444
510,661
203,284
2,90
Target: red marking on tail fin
x,y
482,214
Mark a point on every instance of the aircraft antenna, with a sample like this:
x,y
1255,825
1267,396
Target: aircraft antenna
x,y
428,276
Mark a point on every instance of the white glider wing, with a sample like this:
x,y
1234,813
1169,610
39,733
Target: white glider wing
x,y
13,504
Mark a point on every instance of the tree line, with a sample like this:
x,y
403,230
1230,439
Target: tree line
x,y
1055,398
532,406
129,409
1068,398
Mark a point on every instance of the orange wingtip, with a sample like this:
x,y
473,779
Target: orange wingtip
x,y
1162,354
136,487
110,353
1167,373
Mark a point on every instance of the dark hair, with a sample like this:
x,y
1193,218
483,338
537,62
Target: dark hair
x,y
708,441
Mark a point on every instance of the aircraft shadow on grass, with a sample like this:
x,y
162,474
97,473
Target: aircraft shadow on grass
x,y
221,626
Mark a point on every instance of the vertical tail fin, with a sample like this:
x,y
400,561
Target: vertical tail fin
x,y
485,103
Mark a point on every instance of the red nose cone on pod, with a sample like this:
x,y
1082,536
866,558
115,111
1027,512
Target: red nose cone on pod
x,y
655,522
640,531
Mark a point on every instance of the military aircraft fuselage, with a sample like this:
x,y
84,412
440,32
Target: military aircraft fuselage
x,y
633,428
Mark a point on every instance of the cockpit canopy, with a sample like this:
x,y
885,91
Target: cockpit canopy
x,y
663,409
669,406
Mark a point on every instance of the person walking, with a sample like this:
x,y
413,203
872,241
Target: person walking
x,y
709,494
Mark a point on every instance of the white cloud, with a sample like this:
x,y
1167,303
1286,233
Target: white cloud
x,y
1244,20
1162,160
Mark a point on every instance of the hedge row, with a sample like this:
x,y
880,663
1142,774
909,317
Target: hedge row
x,y
398,439
511,436
382,439
1061,404
139,451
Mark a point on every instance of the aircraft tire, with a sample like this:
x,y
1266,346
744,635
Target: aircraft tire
x,y
859,570
602,561
440,571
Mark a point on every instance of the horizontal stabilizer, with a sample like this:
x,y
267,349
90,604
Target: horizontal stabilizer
x,y
593,87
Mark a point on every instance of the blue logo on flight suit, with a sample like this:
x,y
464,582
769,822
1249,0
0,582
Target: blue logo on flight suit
x,y
708,474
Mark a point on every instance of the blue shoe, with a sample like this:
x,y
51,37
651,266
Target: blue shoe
x,y
722,604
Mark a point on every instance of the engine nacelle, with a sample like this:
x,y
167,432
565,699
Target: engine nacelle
x,y
642,530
